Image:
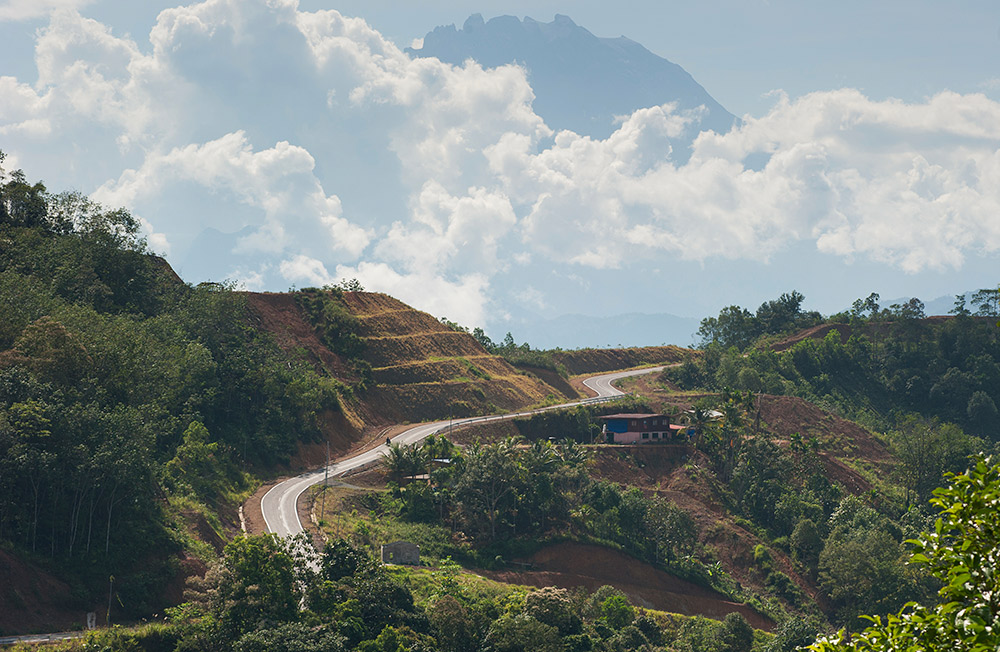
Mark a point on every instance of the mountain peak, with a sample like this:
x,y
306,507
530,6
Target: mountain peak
x,y
581,82
473,22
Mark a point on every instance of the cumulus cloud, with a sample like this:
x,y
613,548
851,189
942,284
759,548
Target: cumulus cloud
x,y
306,270
22,109
314,144
30,9
449,232
298,214
909,185
463,299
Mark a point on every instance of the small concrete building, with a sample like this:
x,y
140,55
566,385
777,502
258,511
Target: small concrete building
x,y
641,429
401,552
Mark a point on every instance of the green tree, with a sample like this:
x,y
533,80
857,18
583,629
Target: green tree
x,y
552,606
961,553
453,627
982,413
485,488
617,611
806,543
735,326
861,567
253,584
926,449
987,301
735,635
517,633
195,465
672,529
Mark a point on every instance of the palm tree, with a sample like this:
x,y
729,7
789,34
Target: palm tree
x,y
396,462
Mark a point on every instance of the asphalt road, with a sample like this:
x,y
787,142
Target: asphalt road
x,y
279,504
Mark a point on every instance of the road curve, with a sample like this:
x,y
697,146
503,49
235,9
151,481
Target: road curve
x,y
279,504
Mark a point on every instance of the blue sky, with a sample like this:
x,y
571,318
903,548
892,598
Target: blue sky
x,y
313,149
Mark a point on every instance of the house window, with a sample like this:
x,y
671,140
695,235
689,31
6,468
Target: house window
x,y
645,435
656,435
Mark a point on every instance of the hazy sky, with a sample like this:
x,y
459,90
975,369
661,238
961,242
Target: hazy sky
x,y
324,151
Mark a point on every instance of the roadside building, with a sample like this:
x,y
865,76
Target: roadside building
x,y
641,429
401,552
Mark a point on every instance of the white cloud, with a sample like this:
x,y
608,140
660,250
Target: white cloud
x,y
462,300
450,232
308,270
20,110
29,9
911,185
278,181
533,297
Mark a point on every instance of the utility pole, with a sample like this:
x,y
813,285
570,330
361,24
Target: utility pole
x,y
111,586
326,477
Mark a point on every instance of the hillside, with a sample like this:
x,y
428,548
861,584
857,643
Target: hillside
x,y
846,460
845,331
421,369
418,368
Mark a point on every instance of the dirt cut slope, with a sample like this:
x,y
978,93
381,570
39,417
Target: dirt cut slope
x,y
280,315
569,565
33,600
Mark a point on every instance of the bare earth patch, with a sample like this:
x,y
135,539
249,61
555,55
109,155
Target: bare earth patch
x,y
570,565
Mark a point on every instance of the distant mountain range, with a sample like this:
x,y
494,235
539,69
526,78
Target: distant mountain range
x,y
584,331
581,82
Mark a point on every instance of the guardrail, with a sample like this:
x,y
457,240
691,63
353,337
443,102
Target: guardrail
x,y
40,638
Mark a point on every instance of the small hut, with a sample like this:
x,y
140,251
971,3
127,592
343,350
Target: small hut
x,y
401,552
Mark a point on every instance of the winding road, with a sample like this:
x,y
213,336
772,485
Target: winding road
x,y
279,504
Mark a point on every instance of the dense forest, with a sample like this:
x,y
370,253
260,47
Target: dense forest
x,y
126,396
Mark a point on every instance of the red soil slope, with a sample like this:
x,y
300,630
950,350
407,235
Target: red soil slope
x,y
571,565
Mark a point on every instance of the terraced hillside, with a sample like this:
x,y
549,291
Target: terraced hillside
x,y
421,369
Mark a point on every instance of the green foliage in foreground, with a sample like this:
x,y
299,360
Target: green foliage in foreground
x,y
962,553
